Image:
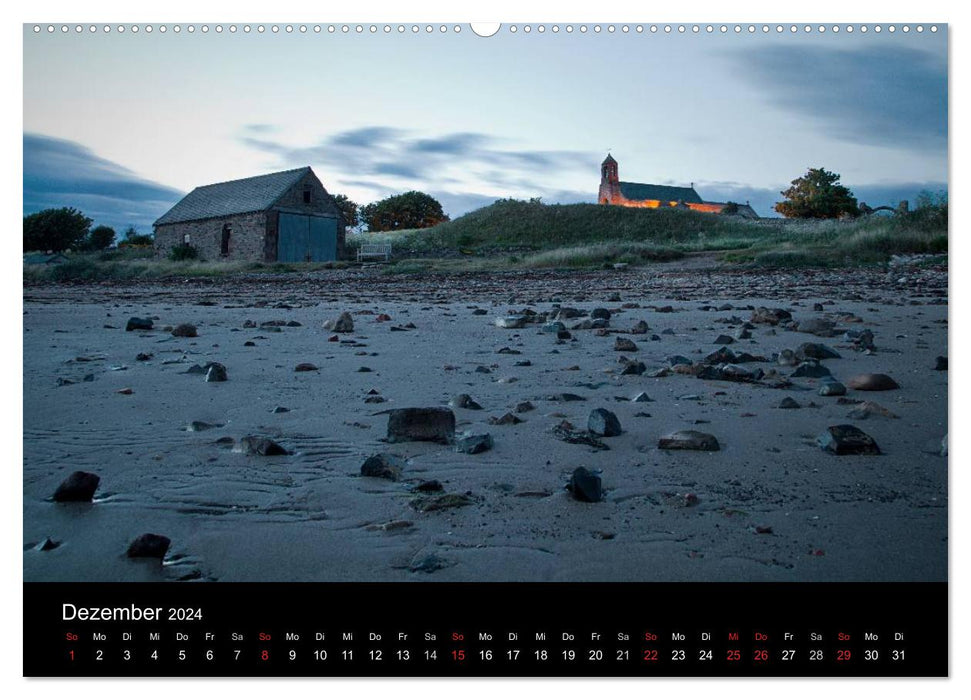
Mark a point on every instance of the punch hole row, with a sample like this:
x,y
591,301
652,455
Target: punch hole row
x,y
512,29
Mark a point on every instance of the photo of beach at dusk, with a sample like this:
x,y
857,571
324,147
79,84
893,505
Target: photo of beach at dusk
x,y
551,305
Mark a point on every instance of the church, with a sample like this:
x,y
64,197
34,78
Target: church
x,y
638,194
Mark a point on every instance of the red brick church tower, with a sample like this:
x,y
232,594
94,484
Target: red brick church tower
x,y
609,181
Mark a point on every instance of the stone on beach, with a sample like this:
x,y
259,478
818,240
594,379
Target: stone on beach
x,y
465,401
421,424
872,382
847,440
832,388
603,423
138,324
511,322
585,485
185,330
472,443
624,345
383,466
216,372
342,324
264,447
150,546
689,440
79,486
306,367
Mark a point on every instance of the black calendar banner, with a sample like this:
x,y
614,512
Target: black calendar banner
x,y
474,629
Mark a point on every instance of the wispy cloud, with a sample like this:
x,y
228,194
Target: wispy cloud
x,y
878,95
61,173
396,159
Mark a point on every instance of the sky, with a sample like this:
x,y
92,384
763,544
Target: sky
x,y
122,125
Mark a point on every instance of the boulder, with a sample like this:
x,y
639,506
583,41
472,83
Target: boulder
x,y
79,486
847,440
421,424
625,345
789,402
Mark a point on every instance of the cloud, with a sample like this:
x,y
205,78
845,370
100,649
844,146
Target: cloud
x,y
60,173
878,95
398,160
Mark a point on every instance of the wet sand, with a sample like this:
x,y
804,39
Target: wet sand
x,y
770,505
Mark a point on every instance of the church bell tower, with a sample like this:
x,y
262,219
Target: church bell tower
x,y
609,181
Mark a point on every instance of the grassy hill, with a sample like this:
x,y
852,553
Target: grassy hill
x,y
532,234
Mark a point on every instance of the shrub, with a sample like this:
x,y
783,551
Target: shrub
x,y
184,252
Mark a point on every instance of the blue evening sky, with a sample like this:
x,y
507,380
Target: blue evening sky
x,y
121,125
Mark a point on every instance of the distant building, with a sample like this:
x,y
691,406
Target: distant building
x,y
638,194
280,217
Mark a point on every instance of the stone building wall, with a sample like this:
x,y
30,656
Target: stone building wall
x,y
246,237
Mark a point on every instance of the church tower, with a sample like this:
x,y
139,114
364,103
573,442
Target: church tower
x,y
609,181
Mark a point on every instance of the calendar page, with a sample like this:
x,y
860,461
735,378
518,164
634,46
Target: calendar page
x,y
515,349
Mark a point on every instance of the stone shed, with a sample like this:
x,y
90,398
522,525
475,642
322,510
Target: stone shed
x,y
280,217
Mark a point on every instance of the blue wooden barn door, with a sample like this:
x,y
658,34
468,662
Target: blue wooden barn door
x,y
306,238
293,240
323,239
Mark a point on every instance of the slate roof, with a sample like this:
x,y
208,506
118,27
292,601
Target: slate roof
x,y
234,197
637,191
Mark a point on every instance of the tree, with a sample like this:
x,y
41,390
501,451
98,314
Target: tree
x,y
100,238
348,209
55,229
408,210
133,237
817,195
